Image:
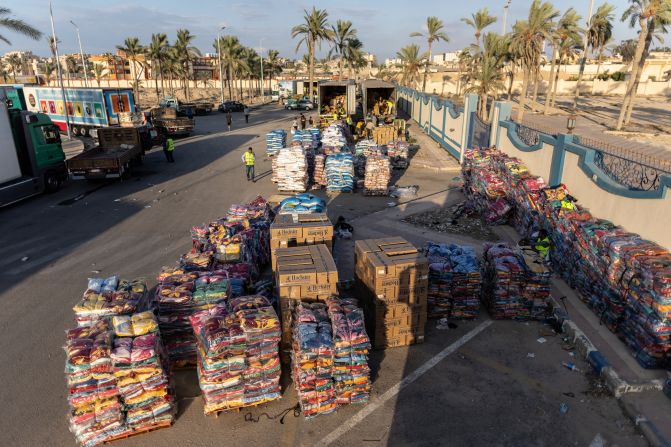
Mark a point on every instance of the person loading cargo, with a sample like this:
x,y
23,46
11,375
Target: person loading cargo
x,y
248,159
542,244
168,148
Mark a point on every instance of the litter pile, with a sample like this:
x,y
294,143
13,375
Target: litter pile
x,y
340,172
238,359
275,140
398,152
302,204
108,297
290,169
455,281
378,174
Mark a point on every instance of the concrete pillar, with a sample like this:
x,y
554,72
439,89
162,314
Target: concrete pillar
x,y
502,113
470,105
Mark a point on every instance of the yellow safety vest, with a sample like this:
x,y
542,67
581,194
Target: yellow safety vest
x,y
567,205
249,158
170,146
543,246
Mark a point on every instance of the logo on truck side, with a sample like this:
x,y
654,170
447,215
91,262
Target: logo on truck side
x,y
31,100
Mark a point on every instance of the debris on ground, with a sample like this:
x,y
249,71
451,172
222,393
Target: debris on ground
x,y
456,219
597,387
403,192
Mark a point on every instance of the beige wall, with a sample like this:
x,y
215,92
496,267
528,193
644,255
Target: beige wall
x,y
538,162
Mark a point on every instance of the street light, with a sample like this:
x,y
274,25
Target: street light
x,y
263,88
221,74
60,72
570,123
81,53
505,16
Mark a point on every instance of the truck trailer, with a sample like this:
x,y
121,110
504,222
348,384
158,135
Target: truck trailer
x,y
31,157
118,149
372,90
335,94
88,108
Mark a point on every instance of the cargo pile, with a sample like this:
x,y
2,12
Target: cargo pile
x,y
398,152
363,145
109,297
275,140
291,170
377,176
455,281
484,188
340,172
302,204
393,279
319,177
334,138
309,138
299,230
383,134
238,362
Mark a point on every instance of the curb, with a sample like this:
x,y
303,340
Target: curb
x,y
615,384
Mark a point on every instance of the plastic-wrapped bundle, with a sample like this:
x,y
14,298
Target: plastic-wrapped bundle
x,y
291,169
504,279
455,281
308,138
536,293
350,371
378,174
398,152
107,297
140,365
275,140
363,145
319,177
95,414
484,188
340,172
334,138
302,204
312,360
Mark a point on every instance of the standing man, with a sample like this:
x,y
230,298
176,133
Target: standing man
x,y
229,120
303,121
246,114
248,159
168,148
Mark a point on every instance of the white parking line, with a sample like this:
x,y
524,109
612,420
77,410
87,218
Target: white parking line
x,y
394,390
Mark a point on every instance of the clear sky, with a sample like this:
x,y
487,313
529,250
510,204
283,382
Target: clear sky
x,y
383,25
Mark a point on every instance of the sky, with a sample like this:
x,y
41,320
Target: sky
x,y
383,25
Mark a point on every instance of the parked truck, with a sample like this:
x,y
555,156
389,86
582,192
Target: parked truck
x,y
166,122
200,107
88,108
31,157
333,95
374,90
119,148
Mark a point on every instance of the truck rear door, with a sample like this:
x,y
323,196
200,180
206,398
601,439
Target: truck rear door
x,y
351,99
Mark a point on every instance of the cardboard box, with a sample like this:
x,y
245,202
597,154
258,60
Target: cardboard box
x,y
401,340
299,230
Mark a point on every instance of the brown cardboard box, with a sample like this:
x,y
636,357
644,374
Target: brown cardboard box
x,y
298,230
401,340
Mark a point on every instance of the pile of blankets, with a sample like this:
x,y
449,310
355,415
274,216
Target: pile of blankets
x,y
107,297
455,281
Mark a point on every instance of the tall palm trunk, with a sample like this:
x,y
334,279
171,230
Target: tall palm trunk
x,y
340,66
426,69
228,79
156,81
556,83
510,83
523,95
240,87
311,56
548,92
598,61
648,41
537,80
160,70
638,55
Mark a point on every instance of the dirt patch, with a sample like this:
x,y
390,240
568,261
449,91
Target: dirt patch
x,y
453,220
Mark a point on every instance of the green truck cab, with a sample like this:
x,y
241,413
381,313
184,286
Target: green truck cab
x,y
31,157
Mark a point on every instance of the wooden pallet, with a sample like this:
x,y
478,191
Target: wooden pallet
x,y
183,365
216,413
141,431
284,191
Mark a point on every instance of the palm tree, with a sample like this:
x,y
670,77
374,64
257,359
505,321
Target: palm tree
x,y
271,66
47,69
17,26
527,41
231,51
353,55
132,50
156,52
479,21
487,78
342,33
411,62
650,14
15,62
312,33
433,34
99,72
186,54
567,30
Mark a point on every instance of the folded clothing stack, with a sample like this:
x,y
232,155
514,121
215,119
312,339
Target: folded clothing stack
x,y
484,187
140,365
319,177
334,138
107,297
312,360
504,283
95,414
455,281
340,172
238,356
351,346
398,152
378,174
302,204
291,169
536,293
275,140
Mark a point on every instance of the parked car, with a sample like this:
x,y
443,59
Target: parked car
x,y
231,106
275,96
302,104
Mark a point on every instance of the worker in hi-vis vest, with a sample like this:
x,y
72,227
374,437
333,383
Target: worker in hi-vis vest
x,y
168,149
248,159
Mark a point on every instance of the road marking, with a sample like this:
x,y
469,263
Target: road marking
x,y
407,380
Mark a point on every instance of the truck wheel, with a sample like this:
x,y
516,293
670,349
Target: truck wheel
x,y
51,182
85,131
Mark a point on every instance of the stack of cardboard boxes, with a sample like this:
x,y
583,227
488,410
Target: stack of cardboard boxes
x,y
392,276
384,134
297,230
302,274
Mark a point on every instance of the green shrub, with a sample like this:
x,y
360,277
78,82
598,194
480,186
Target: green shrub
x,y
652,78
617,76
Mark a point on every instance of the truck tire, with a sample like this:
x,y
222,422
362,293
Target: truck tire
x,y
51,182
85,131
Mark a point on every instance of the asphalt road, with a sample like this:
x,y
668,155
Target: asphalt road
x,y
465,387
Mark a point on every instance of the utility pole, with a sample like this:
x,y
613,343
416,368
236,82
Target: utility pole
x,y
81,53
221,74
505,16
263,89
60,73
584,58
